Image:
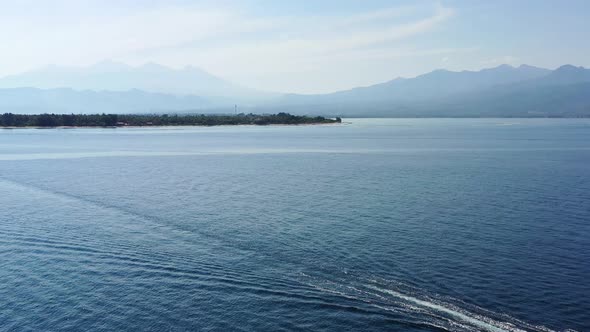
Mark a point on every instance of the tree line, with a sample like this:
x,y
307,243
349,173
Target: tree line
x,y
119,120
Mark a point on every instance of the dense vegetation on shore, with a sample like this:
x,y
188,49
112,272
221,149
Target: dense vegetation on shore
x,y
119,120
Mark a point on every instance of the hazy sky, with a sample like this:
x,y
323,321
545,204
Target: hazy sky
x,y
296,46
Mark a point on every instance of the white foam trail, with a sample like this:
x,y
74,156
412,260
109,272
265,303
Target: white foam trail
x,y
477,322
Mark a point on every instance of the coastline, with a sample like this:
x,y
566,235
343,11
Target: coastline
x,y
68,121
179,126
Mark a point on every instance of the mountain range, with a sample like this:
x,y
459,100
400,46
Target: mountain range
x,y
112,87
504,91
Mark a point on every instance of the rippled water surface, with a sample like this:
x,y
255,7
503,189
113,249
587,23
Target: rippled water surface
x,y
373,225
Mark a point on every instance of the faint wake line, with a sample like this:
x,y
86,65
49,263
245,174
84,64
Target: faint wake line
x,y
454,313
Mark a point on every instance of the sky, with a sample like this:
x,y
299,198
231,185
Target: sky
x,y
304,46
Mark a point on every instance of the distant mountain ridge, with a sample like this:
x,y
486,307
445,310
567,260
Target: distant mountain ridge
x,y
113,87
499,91
438,83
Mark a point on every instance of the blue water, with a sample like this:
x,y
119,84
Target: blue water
x,y
373,225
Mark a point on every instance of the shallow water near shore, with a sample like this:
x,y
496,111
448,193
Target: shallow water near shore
x,y
372,225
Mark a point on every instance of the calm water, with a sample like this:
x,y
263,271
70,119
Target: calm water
x,y
376,225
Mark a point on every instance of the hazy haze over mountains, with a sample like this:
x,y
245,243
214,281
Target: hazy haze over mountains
x,y
113,87
67,100
116,76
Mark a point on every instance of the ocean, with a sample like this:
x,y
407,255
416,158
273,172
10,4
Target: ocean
x,y
371,225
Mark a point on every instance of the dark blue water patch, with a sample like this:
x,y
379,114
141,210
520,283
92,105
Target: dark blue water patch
x,y
417,226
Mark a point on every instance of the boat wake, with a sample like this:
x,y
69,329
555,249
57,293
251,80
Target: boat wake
x,y
417,308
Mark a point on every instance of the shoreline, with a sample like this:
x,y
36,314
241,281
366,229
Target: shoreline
x,y
113,121
179,126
